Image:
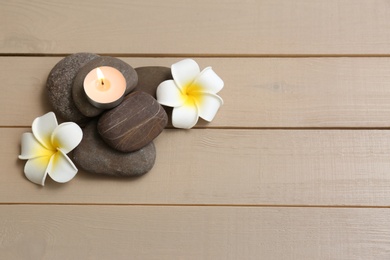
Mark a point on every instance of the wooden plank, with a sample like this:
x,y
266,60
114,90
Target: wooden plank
x,y
271,27
259,92
112,232
254,167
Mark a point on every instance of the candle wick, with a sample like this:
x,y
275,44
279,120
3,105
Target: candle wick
x,y
102,81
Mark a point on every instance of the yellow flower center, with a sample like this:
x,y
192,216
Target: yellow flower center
x,y
46,153
191,94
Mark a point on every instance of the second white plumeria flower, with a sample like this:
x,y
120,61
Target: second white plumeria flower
x,y
191,93
46,148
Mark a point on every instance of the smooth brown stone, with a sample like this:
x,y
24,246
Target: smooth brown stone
x,y
150,77
95,156
78,93
134,123
59,86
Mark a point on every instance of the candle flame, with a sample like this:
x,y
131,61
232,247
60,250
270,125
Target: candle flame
x,y
100,74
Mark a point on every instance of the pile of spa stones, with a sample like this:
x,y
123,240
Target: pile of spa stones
x,y
117,141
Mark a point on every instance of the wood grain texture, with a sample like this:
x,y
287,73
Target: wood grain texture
x,y
199,27
111,232
239,167
239,189
258,92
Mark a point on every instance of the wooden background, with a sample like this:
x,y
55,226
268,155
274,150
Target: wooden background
x,y
296,164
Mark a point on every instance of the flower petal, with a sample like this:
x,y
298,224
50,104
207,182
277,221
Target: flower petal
x,y
208,106
42,127
185,116
31,148
36,169
209,81
67,136
184,72
61,168
168,94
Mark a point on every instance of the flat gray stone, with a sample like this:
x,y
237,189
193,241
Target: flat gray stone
x,y
137,121
59,86
95,156
79,96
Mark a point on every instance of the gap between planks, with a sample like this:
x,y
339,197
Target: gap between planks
x,y
204,55
196,205
259,128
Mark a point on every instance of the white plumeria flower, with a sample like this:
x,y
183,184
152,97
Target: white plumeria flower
x,y
191,93
46,148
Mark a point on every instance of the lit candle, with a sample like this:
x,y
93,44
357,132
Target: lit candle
x,y
105,87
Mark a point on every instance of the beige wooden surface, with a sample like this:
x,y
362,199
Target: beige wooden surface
x,y
296,164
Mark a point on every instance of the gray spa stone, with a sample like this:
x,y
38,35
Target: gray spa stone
x,y
94,156
79,97
59,86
